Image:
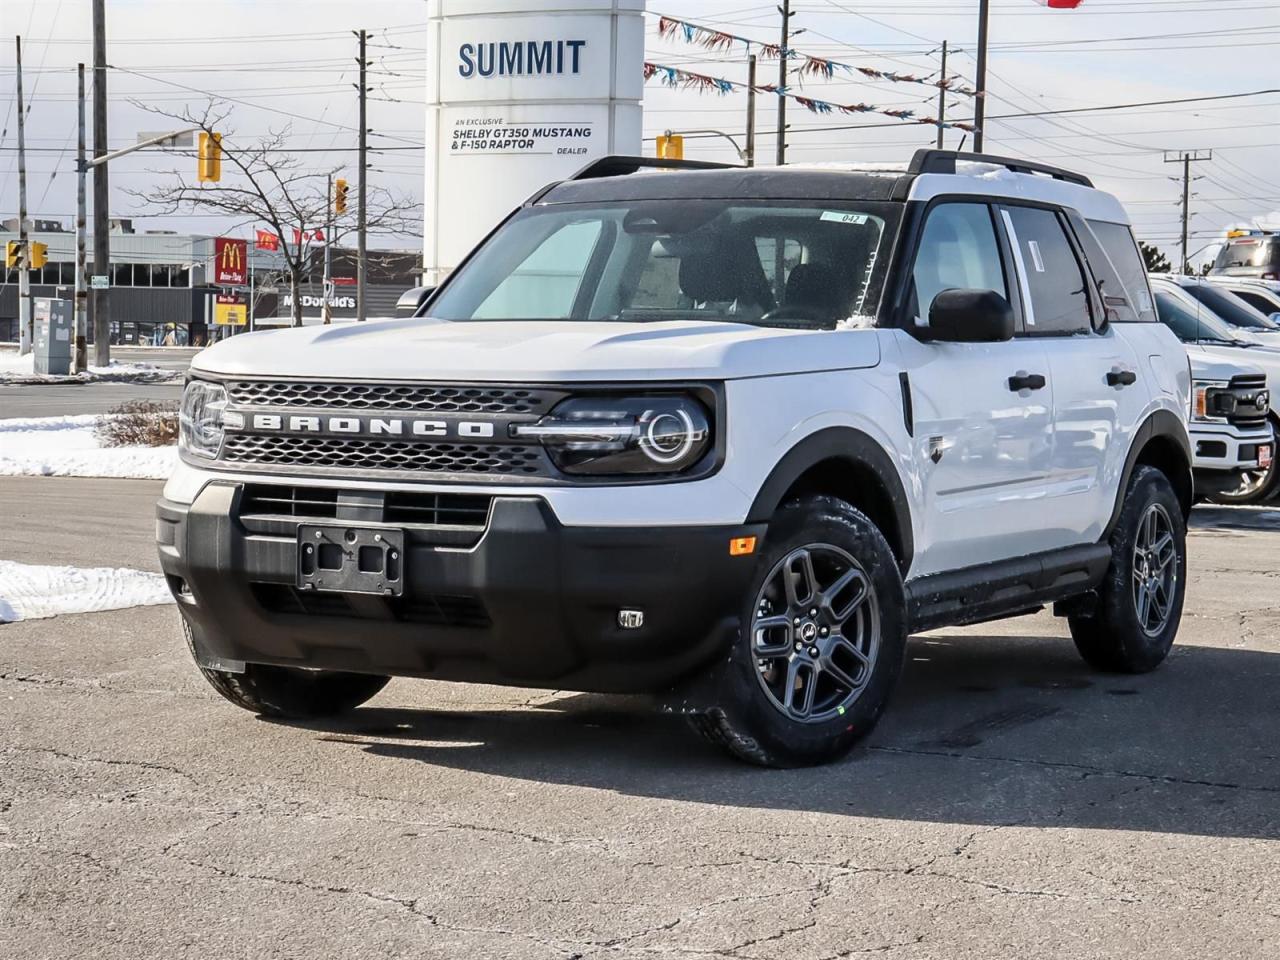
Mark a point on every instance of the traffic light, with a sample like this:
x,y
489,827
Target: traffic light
x,y
12,254
209,163
39,255
339,196
671,147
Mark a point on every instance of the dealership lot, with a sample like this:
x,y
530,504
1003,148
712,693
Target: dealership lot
x,y
1010,802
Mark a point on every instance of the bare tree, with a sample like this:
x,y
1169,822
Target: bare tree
x,y
263,183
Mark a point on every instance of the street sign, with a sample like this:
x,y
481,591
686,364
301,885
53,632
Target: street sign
x,y
230,310
230,262
99,281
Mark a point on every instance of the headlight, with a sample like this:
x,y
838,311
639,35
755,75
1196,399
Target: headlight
x,y
623,435
200,423
1204,400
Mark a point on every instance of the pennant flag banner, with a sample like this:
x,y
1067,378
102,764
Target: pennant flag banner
x,y
266,240
1060,4
676,78
711,39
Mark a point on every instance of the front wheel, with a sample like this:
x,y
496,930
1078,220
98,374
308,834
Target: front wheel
x,y
288,692
822,644
1253,486
1140,600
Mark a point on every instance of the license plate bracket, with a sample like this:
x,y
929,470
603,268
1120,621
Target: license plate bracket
x,y
335,558
1265,453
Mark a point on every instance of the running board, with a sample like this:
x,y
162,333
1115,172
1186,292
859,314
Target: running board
x,y
1006,588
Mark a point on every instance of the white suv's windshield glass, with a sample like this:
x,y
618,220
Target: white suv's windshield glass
x,y
781,263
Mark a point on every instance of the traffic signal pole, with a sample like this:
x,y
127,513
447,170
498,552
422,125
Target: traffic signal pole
x,y
80,354
326,286
25,331
980,96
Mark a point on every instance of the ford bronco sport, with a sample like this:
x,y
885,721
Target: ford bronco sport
x,y
719,434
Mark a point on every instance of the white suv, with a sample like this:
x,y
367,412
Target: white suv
x,y
724,435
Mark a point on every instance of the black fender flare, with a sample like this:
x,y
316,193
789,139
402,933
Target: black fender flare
x,y
1161,424
856,449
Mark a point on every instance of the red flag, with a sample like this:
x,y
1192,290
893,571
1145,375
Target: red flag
x,y
317,236
301,236
266,240
1060,4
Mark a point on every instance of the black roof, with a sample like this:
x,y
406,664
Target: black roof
x,y
757,183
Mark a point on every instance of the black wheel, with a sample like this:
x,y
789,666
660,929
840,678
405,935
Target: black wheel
x,y
287,692
823,640
1255,486
1140,600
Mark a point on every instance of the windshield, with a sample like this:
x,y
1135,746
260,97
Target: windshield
x,y
1192,322
1230,308
779,263
1249,252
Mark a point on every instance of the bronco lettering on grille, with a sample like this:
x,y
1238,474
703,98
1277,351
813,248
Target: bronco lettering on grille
x,y
373,426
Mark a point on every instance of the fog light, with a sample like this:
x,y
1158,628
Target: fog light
x,y
631,619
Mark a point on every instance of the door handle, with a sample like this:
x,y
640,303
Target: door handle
x,y
1121,378
1027,381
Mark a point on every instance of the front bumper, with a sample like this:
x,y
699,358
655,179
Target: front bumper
x,y
530,602
1221,452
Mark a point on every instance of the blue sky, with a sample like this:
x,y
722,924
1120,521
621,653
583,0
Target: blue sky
x,y
290,62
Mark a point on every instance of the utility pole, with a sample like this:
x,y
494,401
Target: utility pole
x,y
785,10
327,312
362,182
942,97
980,96
101,198
25,330
1186,158
80,359
750,151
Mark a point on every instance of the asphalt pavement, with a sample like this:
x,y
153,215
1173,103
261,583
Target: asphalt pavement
x,y
70,399
1012,803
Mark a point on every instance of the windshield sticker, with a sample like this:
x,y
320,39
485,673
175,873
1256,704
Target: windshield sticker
x,y
839,216
1038,260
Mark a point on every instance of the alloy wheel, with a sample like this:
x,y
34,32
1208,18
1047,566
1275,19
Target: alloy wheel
x,y
815,633
1155,570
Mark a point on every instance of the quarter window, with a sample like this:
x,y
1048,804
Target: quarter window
x,y
958,250
1055,294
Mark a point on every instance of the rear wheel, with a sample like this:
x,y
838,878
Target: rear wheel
x,y
823,641
288,692
1140,600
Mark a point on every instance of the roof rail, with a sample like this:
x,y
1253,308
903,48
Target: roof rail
x,y
616,166
944,161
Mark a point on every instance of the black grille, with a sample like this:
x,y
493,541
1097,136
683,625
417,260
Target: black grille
x,y
370,454
392,396
1241,408
431,610
407,509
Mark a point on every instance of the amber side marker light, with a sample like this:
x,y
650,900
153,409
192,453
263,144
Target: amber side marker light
x,y
741,546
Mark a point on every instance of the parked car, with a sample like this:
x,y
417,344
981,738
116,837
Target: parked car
x,y
1228,307
1262,295
719,434
1233,410
1253,254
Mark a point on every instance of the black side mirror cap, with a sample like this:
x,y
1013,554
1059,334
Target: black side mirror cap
x,y
412,299
969,316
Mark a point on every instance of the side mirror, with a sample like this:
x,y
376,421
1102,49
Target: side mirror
x,y
412,299
970,316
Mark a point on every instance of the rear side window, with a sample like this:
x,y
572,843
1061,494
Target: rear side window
x,y
958,250
1122,250
1057,299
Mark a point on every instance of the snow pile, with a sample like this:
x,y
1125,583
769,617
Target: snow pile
x,y
30,591
67,447
22,369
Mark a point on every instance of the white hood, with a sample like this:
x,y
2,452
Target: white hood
x,y
538,351
1207,367
1248,359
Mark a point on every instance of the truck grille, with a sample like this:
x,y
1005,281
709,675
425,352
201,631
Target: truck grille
x,y
275,501
371,454
436,610
392,396
1242,410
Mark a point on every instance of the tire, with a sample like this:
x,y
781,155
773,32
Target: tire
x,y
287,692
1151,535
823,684
1256,486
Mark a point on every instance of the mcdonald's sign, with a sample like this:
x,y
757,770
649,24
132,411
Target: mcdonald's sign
x,y
230,262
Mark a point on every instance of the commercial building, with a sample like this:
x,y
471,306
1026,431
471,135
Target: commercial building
x,y
162,289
